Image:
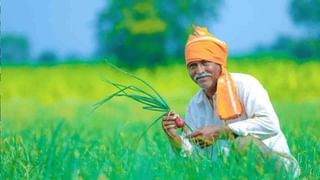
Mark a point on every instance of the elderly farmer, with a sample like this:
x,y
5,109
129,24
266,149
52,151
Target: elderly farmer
x,y
229,107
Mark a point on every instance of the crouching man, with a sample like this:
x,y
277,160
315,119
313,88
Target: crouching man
x,y
229,107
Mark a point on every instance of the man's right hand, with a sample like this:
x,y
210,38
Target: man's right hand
x,y
170,128
169,124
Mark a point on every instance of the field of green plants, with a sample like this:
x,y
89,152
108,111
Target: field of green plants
x,y
49,131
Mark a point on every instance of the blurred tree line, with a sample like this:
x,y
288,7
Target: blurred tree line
x,y
15,49
149,32
306,14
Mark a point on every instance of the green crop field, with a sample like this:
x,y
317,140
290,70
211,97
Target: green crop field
x,y
48,128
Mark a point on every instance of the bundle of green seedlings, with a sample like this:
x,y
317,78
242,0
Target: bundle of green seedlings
x,y
149,98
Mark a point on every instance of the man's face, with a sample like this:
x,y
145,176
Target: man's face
x,y
204,73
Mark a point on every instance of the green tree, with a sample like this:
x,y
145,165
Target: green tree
x,y
146,32
306,13
48,57
15,49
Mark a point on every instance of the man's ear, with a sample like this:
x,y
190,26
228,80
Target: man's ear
x,y
220,69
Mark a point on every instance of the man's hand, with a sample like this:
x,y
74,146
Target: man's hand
x,y
170,128
206,136
169,124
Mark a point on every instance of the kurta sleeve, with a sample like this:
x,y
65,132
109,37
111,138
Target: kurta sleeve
x,y
262,120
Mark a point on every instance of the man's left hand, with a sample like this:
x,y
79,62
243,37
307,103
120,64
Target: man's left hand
x,y
206,136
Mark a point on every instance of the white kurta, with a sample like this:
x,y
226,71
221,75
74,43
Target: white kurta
x,y
259,120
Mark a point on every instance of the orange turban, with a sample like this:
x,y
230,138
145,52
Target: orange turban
x,y
204,46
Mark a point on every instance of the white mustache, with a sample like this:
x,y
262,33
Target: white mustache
x,y
198,76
